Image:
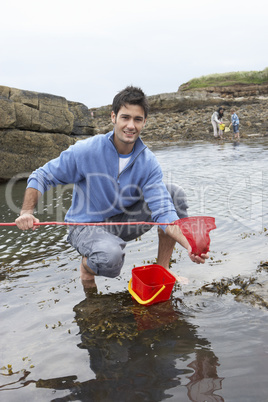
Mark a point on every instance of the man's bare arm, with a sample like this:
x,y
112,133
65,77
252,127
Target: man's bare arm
x,y
175,232
26,219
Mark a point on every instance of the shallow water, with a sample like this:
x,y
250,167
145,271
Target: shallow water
x,y
207,343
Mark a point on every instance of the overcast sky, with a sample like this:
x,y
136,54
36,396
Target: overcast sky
x,y
88,50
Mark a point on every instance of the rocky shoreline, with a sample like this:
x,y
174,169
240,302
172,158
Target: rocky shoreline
x,y
36,127
186,115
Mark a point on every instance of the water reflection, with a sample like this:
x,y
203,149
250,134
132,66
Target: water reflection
x,y
139,353
134,352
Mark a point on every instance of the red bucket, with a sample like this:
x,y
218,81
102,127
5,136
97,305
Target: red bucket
x,y
151,284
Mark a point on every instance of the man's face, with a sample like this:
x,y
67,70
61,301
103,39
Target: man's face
x,y
128,124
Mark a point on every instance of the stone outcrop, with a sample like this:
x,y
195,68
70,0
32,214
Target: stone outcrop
x,y
21,152
186,115
36,127
233,91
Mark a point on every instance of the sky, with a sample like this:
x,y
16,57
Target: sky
x,y
87,51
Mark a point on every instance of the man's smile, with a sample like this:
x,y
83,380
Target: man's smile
x,y
128,132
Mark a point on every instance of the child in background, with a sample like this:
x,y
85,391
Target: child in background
x,y
216,121
235,124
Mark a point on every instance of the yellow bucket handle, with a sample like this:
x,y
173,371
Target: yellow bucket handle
x,y
139,300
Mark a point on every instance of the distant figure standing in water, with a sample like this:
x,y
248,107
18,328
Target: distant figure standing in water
x,y
216,120
235,124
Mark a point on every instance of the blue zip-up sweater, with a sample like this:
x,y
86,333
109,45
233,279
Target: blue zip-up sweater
x,y
100,192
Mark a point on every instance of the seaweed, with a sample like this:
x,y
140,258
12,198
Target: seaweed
x,y
237,286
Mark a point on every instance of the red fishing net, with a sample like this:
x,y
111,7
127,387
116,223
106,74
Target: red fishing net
x,y
196,230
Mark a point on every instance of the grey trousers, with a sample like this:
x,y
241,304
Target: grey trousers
x,y
104,245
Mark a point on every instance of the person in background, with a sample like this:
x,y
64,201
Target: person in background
x,y
216,121
235,124
116,179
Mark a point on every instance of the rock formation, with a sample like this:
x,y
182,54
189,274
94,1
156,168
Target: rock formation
x,y
36,127
186,115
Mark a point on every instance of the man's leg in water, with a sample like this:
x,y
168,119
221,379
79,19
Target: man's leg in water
x,y
165,248
87,275
102,252
166,244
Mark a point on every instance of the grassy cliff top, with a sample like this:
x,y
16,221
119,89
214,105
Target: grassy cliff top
x,y
227,79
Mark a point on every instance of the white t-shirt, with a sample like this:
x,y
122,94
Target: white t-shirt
x,y
123,160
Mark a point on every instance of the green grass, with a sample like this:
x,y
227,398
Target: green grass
x,y
227,79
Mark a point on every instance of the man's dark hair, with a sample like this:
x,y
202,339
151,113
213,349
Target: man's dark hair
x,y
132,96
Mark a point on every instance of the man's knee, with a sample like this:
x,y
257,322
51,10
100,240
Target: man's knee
x,y
179,198
106,260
